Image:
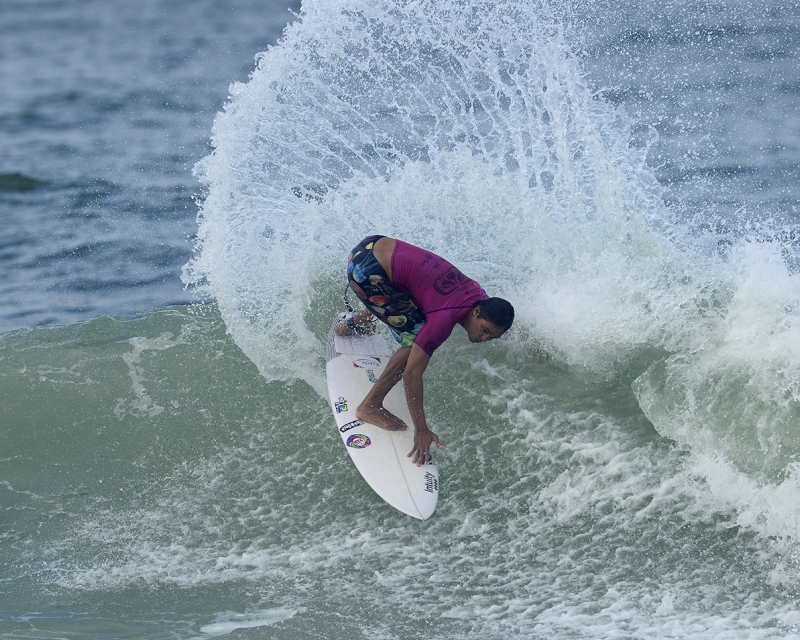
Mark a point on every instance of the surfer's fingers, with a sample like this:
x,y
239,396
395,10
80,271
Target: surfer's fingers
x,y
434,438
419,454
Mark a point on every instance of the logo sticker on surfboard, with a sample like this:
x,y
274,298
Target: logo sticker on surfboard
x,y
367,363
431,482
358,441
350,425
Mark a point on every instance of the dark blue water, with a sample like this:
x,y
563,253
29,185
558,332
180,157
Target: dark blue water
x,y
719,83
105,109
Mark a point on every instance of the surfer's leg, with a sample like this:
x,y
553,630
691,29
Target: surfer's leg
x,y
387,302
398,311
364,273
371,409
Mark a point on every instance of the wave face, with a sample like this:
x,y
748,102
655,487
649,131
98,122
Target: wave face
x,y
154,484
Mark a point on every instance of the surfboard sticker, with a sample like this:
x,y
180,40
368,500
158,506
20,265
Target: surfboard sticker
x,y
358,441
366,363
350,425
354,364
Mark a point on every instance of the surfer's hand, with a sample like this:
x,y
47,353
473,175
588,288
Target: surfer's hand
x,y
422,446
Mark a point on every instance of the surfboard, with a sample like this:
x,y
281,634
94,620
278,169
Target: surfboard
x,y
354,364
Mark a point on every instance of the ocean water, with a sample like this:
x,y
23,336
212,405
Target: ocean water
x,y
105,108
624,464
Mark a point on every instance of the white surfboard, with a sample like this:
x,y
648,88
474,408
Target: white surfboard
x,y
354,364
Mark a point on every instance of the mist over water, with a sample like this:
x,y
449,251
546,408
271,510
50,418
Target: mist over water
x,y
624,464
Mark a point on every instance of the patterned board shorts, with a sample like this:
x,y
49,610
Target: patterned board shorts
x,y
386,301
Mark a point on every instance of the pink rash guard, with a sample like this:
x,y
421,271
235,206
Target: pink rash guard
x,y
442,292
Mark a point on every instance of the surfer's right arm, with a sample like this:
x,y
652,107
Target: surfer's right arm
x,y
412,381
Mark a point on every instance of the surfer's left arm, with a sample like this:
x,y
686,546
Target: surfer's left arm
x,y
412,381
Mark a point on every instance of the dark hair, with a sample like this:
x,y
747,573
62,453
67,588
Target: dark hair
x,y
497,311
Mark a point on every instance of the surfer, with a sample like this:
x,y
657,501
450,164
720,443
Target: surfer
x,y
421,297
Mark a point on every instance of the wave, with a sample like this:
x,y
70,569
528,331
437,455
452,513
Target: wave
x,y
469,128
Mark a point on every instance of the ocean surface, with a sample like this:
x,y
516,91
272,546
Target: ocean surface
x,y
180,184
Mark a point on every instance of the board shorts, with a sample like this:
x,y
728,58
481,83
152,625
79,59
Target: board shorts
x,y
387,302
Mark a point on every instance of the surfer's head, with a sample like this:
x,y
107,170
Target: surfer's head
x,y
489,319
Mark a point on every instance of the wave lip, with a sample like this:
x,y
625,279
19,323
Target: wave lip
x,y
227,623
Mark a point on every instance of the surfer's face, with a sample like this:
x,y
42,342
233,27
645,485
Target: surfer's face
x,y
480,329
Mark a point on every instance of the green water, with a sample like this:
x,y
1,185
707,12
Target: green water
x,y
155,486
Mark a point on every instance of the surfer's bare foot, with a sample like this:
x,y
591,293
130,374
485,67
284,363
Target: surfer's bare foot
x,y
380,417
362,323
